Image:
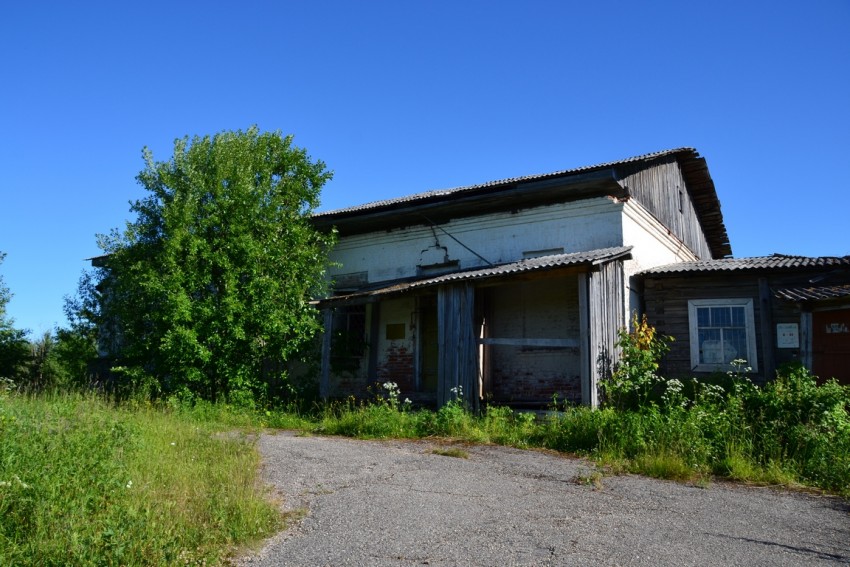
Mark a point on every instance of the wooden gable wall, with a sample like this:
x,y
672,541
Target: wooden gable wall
x,y
658,188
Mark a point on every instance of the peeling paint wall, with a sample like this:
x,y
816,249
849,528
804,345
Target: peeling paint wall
x,y
501,237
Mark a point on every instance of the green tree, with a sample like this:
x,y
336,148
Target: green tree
x,y
213,278
44,371
14,348
76,344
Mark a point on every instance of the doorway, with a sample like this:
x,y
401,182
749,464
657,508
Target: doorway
x,y
831,345
429,348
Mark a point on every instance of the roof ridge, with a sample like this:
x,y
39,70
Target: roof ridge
x,y
506,181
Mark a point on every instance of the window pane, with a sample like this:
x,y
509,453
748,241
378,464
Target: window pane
x,y
720,317
703,317
737,341
710,346
738,319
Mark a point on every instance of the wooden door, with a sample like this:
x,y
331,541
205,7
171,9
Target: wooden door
x,y
831,344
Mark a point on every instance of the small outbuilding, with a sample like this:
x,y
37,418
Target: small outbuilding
x,y
767,310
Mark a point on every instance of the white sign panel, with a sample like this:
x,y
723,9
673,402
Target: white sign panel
x,y
787,335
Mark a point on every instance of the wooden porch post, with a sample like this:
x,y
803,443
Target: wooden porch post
x,y
458,349
325,377
588,382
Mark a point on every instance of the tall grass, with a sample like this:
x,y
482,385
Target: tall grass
x,y
85,483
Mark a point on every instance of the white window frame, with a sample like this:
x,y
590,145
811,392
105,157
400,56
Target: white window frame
x,y
752,354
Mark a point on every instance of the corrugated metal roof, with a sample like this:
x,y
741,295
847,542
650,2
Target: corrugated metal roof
x,y
773,262
510,181
588,258
812,293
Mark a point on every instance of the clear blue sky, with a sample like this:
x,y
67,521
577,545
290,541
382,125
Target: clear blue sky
x,y
399,97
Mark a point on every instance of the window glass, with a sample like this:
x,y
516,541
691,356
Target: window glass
x,y
721,331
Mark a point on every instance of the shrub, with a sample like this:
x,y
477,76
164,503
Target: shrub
x,y
636,375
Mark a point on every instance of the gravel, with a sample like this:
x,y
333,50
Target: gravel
x,y
400,503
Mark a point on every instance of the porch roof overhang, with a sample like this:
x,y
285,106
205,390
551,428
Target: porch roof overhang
x,y
813,293
588,259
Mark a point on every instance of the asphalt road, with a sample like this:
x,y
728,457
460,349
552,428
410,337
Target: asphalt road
x,y
399,503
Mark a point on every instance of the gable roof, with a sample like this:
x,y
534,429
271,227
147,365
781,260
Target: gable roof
x,y
587,258
773,262
529,190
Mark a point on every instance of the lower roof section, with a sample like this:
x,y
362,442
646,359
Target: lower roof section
x,y
588,258
813,293
775,262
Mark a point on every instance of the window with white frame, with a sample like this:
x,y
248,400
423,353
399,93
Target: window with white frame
x,y
722,330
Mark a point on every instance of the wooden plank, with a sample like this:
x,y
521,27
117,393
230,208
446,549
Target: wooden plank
x,y
766,327
806,339
458,357
554,343
588,387
374,331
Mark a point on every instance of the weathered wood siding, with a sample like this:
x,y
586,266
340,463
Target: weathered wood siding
x,y
666,299
606,306
458,354
658,189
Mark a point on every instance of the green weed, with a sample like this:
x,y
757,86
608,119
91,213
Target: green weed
x,y
451,452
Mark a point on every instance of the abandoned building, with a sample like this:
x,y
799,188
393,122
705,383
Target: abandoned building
x,y
512,290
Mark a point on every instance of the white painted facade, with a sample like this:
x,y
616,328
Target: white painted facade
x,y
653,245
499,238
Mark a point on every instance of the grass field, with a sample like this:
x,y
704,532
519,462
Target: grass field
x,y
85,483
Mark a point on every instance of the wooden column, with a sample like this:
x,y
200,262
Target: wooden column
x,y
325,377
374,331
806,339
605,300
458,356
767,339
588,384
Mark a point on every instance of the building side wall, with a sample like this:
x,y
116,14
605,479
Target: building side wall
x,y
500,237
667,309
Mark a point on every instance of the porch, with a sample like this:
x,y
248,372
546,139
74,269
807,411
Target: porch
x,y
519,334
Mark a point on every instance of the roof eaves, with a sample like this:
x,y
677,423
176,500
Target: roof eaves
x,y
588,258
440,194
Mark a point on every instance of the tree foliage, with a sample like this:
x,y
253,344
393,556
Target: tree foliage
x,y
212,280
14,348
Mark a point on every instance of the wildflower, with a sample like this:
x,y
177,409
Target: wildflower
x,y
18,481
129,484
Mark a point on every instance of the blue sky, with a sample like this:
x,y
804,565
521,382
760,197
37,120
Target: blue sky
x,y
404,96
